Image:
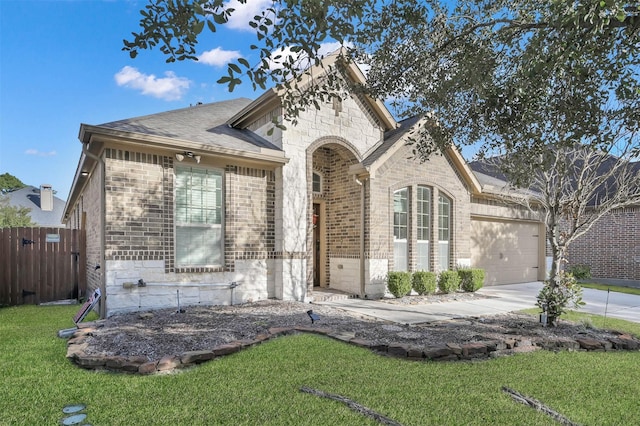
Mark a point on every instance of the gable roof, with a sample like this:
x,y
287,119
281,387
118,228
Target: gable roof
x,y
396,138
271,99
29,197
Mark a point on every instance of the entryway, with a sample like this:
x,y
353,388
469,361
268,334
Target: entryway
x,y
319,250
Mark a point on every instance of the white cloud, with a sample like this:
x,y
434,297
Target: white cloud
x,y
169,88
244,13
218,57
39,153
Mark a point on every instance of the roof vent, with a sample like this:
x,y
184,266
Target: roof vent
x,y
46,198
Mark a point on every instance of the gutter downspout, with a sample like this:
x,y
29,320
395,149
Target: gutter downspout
x,y
103,284
362,229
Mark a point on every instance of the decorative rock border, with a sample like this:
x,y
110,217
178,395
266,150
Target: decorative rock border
x,y
77,345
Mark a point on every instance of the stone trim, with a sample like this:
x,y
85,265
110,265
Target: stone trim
x,y
449,352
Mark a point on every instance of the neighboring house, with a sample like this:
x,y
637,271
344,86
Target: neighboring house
x,y
611,248
46,208
204,204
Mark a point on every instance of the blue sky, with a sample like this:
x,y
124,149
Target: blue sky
x,y
61,65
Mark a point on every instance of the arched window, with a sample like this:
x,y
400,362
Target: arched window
x,y
400,230
444,232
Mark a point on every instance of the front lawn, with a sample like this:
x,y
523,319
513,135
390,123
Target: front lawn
x,y
616,288
261,385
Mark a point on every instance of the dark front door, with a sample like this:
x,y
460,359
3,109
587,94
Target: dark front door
x,y
316,245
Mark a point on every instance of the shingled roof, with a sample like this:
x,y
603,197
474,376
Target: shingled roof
x,y
204,124
29,197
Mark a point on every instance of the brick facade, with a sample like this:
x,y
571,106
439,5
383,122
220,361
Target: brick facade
x,y
139,233
135,185
612,247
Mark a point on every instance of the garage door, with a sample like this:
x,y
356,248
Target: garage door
x,y
507,251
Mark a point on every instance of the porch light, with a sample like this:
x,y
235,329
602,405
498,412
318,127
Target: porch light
x,y
188,154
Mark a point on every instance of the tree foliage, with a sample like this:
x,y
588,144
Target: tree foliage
x,y
9,183
13,216
491,72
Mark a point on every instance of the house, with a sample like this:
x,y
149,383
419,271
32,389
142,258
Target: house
x,y
611,248
206,205
45,208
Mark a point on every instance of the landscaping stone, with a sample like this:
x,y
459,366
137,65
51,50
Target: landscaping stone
x,y
148,368
343,336
440,353
280,331
415,353
169,362
90,362
472,349
361,342
196,357
398,350
590,344
455,348
227,349
77,346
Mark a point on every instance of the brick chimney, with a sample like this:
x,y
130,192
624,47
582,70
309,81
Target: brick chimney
x,y
46,198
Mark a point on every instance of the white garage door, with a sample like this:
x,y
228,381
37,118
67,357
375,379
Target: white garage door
x,y
507,251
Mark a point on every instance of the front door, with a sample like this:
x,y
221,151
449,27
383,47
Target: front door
x,y
316,245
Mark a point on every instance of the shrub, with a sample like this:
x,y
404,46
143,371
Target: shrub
x,y
399,283
554,300
424,282
471,279
448,281
580,272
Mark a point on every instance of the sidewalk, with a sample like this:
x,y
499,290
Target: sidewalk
x,y
499,299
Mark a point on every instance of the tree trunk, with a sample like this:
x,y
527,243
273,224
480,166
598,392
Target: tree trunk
x,y
557,253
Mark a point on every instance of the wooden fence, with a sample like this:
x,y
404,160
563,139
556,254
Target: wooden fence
x,y
39,265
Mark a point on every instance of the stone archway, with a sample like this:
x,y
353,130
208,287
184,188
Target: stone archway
x,y
335,217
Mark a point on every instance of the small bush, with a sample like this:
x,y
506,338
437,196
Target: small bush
x,y
399,283
471,279
424,282
555,299
580,272
448,281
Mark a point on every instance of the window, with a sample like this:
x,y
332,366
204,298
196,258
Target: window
x,y
423,228
400,222
317,183
444,234
198,217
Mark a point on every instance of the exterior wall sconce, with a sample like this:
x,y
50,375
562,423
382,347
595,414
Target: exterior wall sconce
x,y
188,154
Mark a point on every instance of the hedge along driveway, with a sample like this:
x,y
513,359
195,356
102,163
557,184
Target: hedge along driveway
x,y
261,385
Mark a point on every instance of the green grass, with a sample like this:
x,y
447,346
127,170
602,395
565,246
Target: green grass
x,y
616,288
596,321
260,386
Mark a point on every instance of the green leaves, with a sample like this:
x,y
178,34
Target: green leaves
x,y
502,74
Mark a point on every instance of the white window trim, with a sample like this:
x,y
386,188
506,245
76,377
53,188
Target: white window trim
x,y
442,196
321,177
429,214
201,225
403,241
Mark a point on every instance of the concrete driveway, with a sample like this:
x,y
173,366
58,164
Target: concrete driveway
x,y
499,299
